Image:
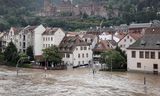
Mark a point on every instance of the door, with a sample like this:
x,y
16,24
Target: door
x,y
155,68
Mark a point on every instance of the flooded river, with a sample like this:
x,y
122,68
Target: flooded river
x,y
77,82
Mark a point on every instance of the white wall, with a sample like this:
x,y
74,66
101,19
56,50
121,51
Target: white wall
x,y
74,59
38,42
148,63
56,39
125,42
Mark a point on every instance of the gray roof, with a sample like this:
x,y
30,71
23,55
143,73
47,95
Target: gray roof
x,y
140,25
150,41
50,31
69,43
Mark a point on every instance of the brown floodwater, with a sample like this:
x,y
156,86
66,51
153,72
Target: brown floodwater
x,y
76,82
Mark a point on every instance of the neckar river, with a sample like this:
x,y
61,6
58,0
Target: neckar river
x,y
77,82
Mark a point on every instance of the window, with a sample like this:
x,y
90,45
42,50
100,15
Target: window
x,y
76,48
128,37
24,45
91,40
133,54
130,40
120,45
24,37
83,62
46,38
86,54
155,66
124,40
138,65
51,38
141,54
43,39
158,55
85,48
152,55
81,48
43,45
82,55
67,55
147,54
79,56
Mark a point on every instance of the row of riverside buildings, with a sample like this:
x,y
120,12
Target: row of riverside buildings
x,y
141,43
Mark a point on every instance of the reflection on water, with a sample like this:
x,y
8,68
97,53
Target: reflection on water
x,y
76,82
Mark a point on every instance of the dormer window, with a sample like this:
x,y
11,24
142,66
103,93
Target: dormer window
x,y
143,43
158,43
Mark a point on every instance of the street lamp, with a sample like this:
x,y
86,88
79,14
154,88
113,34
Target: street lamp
x,y
144,76
21,59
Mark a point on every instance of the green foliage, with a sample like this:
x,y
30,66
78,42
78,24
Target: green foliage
x,y
52,54
113,57
30,53
1,57
23,60
10,53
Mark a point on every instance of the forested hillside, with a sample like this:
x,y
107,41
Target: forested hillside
x,y
23,12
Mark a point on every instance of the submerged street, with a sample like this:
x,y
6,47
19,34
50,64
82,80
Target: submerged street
x,y
76,82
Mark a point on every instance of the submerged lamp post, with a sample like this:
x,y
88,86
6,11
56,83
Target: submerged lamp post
x,y
20,61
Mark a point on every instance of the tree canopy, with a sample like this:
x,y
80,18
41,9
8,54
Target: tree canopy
x,y
10,53
52,54
113,57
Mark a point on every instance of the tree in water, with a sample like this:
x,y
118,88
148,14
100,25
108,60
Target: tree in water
x,y
52,55
30,52
10,53
113,59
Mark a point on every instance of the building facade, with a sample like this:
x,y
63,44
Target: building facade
x,y
76,51
144,54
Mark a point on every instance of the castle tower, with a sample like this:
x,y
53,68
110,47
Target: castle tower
x,y
47,7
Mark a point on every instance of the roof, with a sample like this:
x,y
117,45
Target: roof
x,y
135,36
150,41
113,42
102,46
50,31
69,43
91,36
29,29
140,25
16,30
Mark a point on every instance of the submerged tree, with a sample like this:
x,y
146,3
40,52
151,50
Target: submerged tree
x,y
30,52
113,58
52,54
10,53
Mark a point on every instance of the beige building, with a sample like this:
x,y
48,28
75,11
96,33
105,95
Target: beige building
x,y
144,54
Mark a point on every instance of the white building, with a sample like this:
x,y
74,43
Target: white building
x,y
52,36
38,40
144,54
24,38
76,51
105,36
12,35
128,40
